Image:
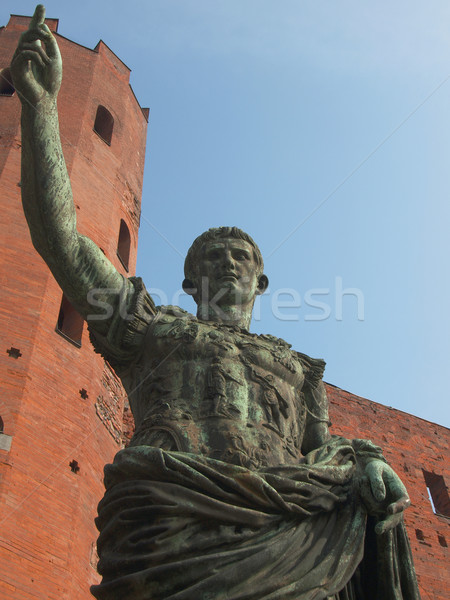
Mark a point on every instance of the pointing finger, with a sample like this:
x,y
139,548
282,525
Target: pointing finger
x,y
39,17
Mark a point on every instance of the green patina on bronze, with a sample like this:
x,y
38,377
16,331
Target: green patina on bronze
x,y
232,487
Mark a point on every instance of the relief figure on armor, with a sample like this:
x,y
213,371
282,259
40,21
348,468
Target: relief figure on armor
x,y
232,487
274,405
217,390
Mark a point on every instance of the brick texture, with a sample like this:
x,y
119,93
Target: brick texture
x,y
47,532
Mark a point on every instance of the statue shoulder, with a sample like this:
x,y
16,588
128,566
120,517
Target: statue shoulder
x,y
174,322
171,311
313,369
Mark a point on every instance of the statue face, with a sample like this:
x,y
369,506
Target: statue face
x,y
228,270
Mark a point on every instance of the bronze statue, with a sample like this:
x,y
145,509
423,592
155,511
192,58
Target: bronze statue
x,y
232,487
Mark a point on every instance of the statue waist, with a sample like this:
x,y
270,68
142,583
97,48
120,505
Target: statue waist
x,y
222,437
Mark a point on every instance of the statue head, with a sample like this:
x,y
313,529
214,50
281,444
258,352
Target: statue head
x,y
224,268
191,262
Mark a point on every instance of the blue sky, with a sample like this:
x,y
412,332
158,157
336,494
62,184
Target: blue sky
x,y
323,130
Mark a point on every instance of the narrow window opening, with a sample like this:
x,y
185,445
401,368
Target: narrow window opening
x,y
104,124
6,84
14,352
74,467
70,322
124,244
437,493
5,440
419,535
442,541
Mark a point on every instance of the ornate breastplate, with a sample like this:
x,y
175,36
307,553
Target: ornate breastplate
x,y
218,390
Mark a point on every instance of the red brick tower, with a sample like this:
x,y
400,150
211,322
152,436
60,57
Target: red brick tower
x,y
60,406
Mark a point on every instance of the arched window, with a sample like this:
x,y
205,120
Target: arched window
x,y
123,244
1,425
70,322
6,84
104,124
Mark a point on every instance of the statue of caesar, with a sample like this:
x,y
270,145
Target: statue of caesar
x,y
232,487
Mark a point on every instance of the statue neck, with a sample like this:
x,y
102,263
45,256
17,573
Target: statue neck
x,y
240,316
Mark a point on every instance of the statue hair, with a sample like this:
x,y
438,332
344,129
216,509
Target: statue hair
x,y
191,262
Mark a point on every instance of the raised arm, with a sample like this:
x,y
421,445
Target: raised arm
x,y
76,262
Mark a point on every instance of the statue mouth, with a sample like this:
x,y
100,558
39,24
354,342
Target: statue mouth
x,y
228,277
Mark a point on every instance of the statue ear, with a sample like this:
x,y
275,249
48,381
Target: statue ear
x,y
263,284
189,287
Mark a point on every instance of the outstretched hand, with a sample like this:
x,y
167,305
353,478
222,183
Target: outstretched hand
x,y
384,494
36,67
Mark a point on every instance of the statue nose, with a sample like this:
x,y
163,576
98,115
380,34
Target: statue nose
x,y
228,261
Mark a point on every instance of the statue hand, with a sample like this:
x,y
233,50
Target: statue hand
x,y
36,67
384,494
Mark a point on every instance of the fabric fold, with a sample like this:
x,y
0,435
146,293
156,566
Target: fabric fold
x,y
179,526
